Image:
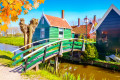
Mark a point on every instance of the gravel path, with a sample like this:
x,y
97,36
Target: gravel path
x,y
6,73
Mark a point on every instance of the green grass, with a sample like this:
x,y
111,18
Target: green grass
x,y
42,73
6,58
17,41
118,63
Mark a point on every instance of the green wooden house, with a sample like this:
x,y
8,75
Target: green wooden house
x,y
52,27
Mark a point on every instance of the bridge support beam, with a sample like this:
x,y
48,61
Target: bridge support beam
x,y
37,67
44,55
56,64
72,49
25,67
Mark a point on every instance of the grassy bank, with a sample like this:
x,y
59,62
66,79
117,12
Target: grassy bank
x,y
41,75
17,41
46,72
46,75
111,62
6,58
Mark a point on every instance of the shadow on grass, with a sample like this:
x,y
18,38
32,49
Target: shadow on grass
x,y
5,57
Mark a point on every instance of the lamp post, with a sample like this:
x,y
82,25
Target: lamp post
x,y
86,21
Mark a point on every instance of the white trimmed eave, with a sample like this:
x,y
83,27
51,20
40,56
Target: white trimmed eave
x,y
46,19
68,24
106,14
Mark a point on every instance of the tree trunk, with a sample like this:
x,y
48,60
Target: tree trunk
x,y
25,40
30,35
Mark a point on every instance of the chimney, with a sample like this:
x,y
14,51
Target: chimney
x,y
94,17
62,14
78,22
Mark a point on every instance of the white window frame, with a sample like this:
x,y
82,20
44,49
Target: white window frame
x,y
42,32
42,21
61,29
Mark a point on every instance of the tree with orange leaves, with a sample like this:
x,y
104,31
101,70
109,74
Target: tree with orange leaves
x,y
11,9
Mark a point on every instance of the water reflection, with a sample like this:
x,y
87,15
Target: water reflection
x,y
88,71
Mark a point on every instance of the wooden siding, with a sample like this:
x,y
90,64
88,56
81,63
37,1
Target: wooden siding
x,y
54,33
73,35
67,33
36,35
111,25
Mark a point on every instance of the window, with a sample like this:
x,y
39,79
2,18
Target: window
x,y
43,21
42,33
60,33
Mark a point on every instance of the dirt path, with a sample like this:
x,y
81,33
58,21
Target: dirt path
x,y
6,73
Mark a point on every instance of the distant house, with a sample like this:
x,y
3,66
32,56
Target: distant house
x,y
52,27
81,29
108,31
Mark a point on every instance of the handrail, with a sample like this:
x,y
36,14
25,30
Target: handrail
x,y
43,48
33,43
46,46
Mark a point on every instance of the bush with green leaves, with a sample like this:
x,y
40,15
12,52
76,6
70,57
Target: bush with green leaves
x,y
90,52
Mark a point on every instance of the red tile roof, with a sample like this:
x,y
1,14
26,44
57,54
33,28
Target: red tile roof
x,y
57,22
73,26
82,29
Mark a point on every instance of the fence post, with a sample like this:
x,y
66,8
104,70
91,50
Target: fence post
x,y
37,67
44,55
56,64
14,55
72,47
83,46
25,67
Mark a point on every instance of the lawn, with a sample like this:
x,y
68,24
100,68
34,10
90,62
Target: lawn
x,y
6,58
17,41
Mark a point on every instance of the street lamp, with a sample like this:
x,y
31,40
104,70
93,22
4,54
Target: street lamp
x,y
86,21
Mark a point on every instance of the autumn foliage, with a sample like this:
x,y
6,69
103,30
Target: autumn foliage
x,y
11,9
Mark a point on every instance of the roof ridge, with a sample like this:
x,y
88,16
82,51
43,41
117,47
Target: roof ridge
x,y
54,16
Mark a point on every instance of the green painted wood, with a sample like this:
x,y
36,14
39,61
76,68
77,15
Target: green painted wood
x,y
28,50
73,35
34,62
14,63
49,48
64,43
48,54
52,52
39,59
37,33
52,47
53,33
36,55
78,43
67,34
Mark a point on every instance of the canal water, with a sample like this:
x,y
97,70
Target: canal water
x,y
88,71
7,47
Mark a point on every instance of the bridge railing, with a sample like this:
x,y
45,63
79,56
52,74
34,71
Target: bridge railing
x,y
49,49
39,41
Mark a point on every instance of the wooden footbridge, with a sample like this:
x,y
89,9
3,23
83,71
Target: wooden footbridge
x,y
42,52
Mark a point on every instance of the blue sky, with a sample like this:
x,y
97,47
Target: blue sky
x,y
74,9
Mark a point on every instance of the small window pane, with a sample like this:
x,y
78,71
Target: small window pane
x,y
60,33
42,33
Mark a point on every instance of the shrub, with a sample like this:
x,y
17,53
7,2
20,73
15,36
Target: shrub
x,y
90,52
